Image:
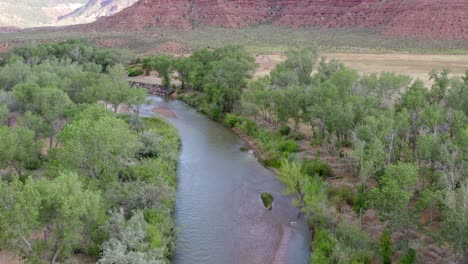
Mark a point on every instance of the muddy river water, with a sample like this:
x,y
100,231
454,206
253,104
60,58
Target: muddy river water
x,y
219,213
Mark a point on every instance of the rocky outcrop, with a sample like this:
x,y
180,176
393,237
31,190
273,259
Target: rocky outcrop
x,y
95,9
417,18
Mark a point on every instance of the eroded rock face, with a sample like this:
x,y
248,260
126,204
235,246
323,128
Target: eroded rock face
x,y
423,18
93,10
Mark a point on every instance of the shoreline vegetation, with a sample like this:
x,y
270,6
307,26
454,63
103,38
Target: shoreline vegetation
x,y
77,176
376,161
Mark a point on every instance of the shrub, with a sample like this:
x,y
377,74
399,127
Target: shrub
x,y
151,144
343,194
323,246
285,130
409,257
267,200
132,72
317,167
232,120
288,146
272,163
249,127
385,246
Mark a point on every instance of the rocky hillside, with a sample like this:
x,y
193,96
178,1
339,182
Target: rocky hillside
x,y
33,13
420,18
37,13
95,9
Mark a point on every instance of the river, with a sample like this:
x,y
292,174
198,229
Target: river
x,y
219,214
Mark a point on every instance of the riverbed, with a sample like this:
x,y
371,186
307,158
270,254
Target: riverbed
x,y
219,214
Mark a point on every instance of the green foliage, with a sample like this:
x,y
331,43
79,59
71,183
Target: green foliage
x,y
267,200
249,127
97,148
77,51
285,130
18,149
346,244
317,168
342,194
19,216
455,224
232,120
163,65
408,258
4,115
288,146
392,197
61,207
385,247
130,241
66,208
135,71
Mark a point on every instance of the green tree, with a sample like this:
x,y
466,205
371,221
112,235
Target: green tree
x,y
66,207
18,149
118,90
309,191
35,123
414,101
185,67
4,115
440,86
369,159
163,65
19,216
97,148
394,193
136,98
429,199
51,105
225,81
12,74
296,68
385,246
455,224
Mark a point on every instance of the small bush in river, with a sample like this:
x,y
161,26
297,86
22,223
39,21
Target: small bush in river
x,y
267,200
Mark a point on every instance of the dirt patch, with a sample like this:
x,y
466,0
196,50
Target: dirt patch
x,y
414,65
8,258
174,48
164,111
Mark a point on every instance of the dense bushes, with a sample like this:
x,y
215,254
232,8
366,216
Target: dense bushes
x,y
135,71
317,167
232,120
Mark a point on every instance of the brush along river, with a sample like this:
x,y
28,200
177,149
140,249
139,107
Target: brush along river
x,y
219,213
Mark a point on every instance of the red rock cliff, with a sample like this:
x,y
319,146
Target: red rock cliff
x,y
422,18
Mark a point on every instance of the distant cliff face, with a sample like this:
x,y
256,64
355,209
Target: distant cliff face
x,y
420,18
95,9
34,13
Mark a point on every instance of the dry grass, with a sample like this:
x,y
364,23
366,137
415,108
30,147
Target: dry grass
x,y
414,65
